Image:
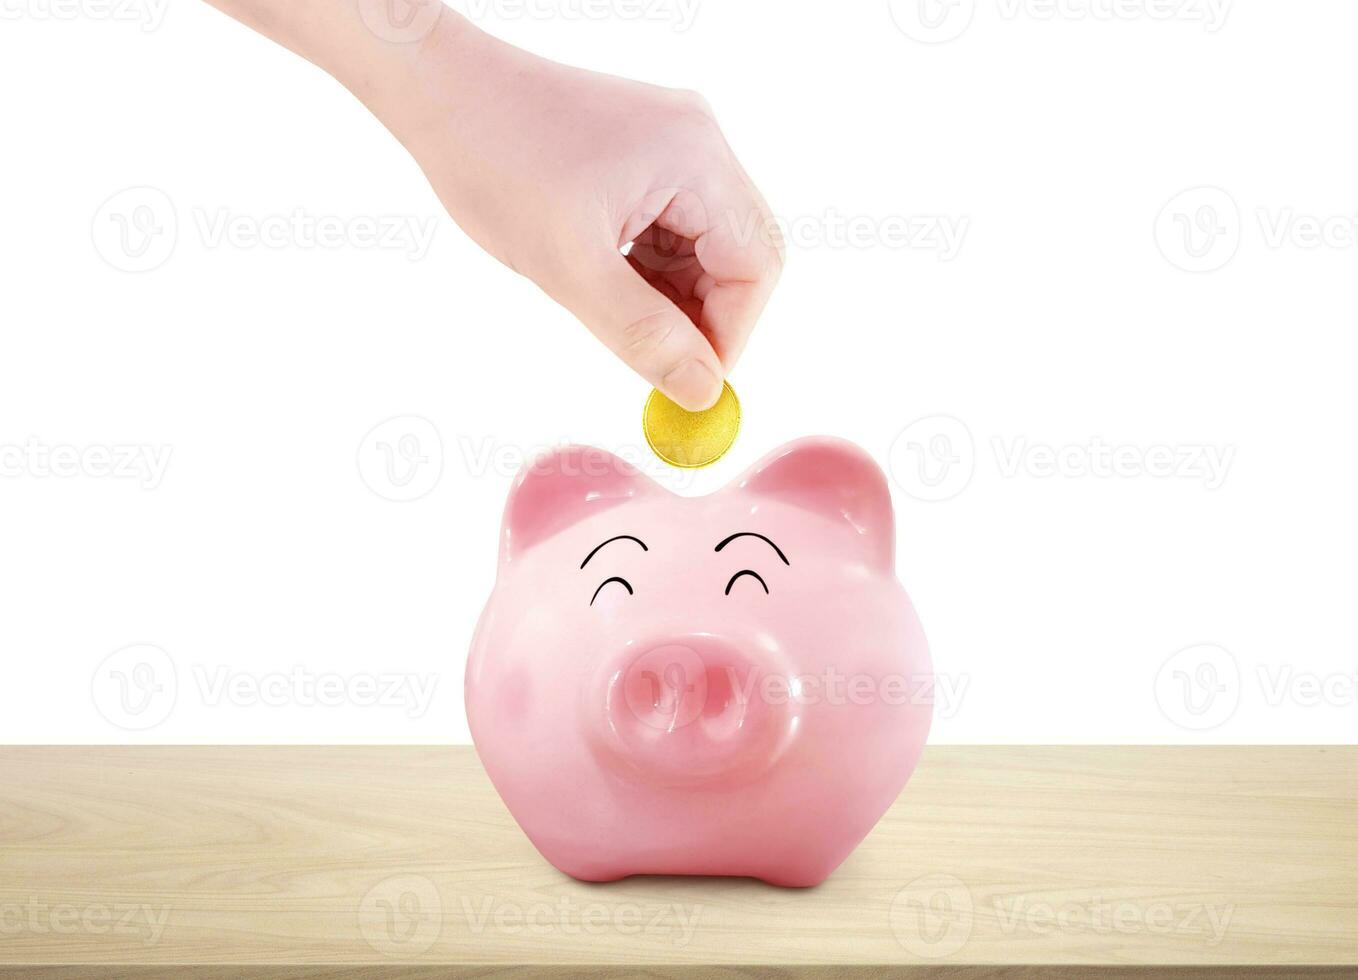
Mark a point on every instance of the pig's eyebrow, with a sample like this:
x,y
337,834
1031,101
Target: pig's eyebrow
x,y
620,537
752,534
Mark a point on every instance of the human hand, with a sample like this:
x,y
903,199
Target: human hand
x,y
553,170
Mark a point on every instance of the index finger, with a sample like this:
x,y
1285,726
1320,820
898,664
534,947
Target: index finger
x,y
739,247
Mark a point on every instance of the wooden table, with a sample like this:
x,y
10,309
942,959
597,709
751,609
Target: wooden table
x,y
403,863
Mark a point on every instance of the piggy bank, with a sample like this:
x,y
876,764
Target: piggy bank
x,y
718,685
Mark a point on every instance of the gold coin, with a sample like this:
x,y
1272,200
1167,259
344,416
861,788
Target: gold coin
x,y
691,439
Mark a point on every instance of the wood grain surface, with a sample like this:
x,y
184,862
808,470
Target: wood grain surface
x,y
403,863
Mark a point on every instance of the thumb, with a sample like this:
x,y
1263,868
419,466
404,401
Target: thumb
x,y
649,332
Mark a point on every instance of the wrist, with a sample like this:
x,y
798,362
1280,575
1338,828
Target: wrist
x,y
409,76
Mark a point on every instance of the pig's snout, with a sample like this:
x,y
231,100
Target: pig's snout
x,y
694,710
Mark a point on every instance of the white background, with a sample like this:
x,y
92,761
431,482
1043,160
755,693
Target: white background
x,y
1070,317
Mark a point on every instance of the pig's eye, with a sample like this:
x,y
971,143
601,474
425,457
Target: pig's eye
x,y
742,574
621,581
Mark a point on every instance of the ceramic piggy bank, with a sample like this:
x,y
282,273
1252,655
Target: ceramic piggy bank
x,y
719,685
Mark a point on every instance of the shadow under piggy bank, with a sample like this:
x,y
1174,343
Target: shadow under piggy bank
x,y
719,685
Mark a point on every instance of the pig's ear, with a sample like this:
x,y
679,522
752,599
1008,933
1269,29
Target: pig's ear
x,y
564,486
837,480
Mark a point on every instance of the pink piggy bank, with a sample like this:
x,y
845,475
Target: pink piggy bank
x,y
719,685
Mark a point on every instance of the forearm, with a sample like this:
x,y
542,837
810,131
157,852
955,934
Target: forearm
x,y
554,169
386,65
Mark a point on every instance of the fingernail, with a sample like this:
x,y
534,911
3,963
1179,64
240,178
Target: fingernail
x,y
693,386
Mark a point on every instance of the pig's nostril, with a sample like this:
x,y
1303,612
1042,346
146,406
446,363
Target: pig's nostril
x,y
722,691
666,688
725,710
